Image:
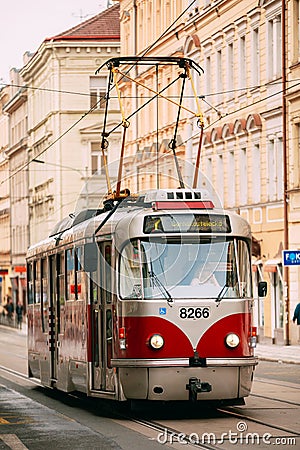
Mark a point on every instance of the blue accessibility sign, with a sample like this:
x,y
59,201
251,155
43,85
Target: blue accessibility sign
x,y
291,257
162,311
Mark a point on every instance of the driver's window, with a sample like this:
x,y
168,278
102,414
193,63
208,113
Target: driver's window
x,y
130,271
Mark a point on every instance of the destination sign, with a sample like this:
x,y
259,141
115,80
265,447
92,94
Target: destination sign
x,y
187,223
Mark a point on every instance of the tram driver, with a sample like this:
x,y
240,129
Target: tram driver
x,y
204,275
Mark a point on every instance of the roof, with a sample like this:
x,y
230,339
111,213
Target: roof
x,y
105,25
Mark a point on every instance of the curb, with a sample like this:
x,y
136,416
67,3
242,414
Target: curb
x,y
278,360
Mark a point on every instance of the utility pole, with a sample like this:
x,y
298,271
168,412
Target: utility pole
x,y
285,179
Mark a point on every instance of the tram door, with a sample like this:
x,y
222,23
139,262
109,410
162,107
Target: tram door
x,y
103,378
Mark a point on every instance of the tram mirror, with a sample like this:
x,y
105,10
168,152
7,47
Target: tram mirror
x,y
262,288
90,257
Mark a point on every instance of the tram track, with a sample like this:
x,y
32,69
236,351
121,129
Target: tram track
x,y
257,421
165,433
275,399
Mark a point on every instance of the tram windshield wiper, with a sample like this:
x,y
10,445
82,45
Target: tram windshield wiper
x,y
161,287
222,294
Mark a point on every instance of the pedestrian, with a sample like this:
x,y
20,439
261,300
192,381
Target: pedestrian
x,y
19,312
296,316
10,308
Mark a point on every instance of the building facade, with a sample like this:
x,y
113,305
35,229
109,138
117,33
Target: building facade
x,y
65,113
16,110
5,285
239,46
54,111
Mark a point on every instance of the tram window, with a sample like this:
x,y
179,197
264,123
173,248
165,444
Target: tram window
x,y
61,277
130,274
30,287
44,294
244,271
37,281
79,281
61,289
107,254
158,267
70,294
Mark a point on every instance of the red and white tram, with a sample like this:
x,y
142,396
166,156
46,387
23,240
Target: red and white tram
x,y
151,299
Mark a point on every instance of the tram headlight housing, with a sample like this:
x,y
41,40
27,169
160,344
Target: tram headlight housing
x,y
232,340
156,341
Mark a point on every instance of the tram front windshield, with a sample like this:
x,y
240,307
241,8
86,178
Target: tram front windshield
x,y
192,268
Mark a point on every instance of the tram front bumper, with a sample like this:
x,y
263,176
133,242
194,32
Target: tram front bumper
x,y
176,380
185,362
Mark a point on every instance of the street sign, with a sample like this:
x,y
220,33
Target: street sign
x,y
291,257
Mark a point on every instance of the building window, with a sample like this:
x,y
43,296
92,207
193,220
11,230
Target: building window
x,y
207,71
98,92
242,62
296,155
256,181
296,31
275,169
97,159
231,177
220,178
271,170
243,177
219,75
274,48
277,301
230,69
209,170
255,68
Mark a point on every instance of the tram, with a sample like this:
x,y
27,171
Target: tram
x,y
150,296
155,305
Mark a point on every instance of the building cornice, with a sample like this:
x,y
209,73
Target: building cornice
x,y
13,104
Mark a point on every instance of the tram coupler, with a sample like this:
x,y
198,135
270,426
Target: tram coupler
x,y
197,361
195,386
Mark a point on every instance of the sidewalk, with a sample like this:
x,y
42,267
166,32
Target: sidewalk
x,y
289,354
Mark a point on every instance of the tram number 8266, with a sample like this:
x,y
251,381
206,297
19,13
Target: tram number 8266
x,y
194,313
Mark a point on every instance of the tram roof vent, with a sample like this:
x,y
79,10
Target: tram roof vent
x,y
176,194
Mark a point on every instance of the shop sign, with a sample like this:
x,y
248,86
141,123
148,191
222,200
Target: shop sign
x,y
291,257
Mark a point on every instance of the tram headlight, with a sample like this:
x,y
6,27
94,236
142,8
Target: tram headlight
x,y
232,340
156,341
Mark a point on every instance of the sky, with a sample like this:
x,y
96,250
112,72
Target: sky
x,y
25,24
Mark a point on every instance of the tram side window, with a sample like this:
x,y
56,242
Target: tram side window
x,y
79,273
70,263
37,281
44,294
60,270
107,255
61,278
30,288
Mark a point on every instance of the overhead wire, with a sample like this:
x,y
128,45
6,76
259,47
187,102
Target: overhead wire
x,y
231,113
208,94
